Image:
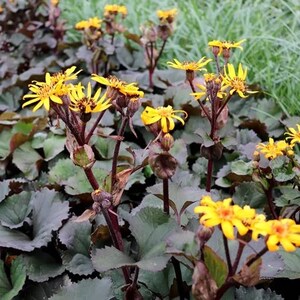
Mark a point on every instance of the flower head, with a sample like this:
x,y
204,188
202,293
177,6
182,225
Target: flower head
x,y
114,9
224,214
219,46
86,103
94,23
65,76
163,115
44,93
189,66
167,16
236,82
283,231
273,149
294,135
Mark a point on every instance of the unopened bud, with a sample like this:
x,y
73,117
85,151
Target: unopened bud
x,y
167,142
133,106
96,207
204,234
102,197
256,156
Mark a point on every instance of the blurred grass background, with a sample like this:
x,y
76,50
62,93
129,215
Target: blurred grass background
x,y
271,27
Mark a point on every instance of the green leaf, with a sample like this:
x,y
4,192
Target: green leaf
x,y
216,265
5,137
47,216
161,282
10,287
180,195
289,195
258,294
291,262
92,289
22,127
27,160
150,226
77,238
4,189
73,177
179,151
110,258
247,193
240,167
282,169
14,210
53,145
41,266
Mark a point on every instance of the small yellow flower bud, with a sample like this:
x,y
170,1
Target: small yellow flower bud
x,y
167,142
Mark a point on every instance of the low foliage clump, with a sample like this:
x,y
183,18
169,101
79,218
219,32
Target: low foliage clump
x,y
126,181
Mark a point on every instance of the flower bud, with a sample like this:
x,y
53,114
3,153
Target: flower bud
x,y
102,197
213,152
83,156
133,106
167,142
163,165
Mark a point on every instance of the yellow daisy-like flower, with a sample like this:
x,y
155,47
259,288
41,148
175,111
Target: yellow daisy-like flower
x,y
221,45
45,92
273,149
164,115
189,66
90,23
111,81
236,82
65,76
167,16
294,135
86,103
284,231
114,9
224,214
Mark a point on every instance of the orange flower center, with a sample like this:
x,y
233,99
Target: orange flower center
x,y
238,84
225,212
165,112
280,229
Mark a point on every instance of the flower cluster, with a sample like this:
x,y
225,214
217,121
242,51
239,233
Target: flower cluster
x,y
283,232
167,16
52,89
273,149
91,23
114,9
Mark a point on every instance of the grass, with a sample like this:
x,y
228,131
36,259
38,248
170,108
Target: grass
x,y
271,28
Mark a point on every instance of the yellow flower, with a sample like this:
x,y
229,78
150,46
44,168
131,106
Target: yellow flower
x,y
90,23
224,214
163,114
284,231
294,135
167,16
273,149
54,2
236,82
65,76
221,45
189,66
115,9
111,81
85,103
45,92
